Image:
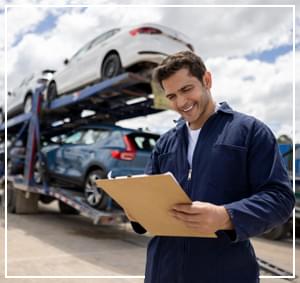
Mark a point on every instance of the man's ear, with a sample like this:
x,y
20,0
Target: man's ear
x,y
207,80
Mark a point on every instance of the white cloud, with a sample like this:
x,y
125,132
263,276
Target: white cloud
x,y
233,31
22,20
257,88
72,30
221,37
267,94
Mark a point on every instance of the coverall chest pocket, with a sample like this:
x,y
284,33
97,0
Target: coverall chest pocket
x,y
228,166
167,162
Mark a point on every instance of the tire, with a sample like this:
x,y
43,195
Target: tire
x,y
11,198
51,92
27,106
66,209
2,118
111,66
95,196
46,199
277,233
37,173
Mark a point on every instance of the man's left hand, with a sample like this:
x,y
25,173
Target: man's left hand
x,y
203,216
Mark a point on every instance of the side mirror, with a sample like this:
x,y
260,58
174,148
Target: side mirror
x,y
9,93
66,61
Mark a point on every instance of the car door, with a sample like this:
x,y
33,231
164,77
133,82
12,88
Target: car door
x,y
76,154
87,63
66,157
12,97
69,77
16,98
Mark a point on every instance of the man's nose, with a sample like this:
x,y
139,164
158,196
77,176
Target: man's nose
x,y
181,101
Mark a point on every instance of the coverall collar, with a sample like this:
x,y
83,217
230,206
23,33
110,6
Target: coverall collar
x,y
224,108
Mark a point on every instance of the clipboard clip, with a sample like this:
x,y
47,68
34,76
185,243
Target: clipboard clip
x,y
110,176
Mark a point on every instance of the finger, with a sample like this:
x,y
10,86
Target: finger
x,y
194,208
191,218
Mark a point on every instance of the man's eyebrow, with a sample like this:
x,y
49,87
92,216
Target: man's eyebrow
x,y
185,86
170,94
180,89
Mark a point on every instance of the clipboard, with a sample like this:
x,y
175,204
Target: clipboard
x,y
149,198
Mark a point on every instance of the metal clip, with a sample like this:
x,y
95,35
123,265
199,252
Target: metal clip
x,y
190,174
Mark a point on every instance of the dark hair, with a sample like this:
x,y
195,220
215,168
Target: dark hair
x,y
173,63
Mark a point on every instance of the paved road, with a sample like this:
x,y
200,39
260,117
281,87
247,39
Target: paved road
x,y
51,244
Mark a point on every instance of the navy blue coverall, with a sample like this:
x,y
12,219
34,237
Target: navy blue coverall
x,y
236,163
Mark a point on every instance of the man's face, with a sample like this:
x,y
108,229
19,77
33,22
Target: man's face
x,y
189,97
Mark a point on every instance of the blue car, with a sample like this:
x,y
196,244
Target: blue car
x,y
90,152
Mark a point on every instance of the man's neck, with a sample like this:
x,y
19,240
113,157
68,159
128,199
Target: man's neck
x,y
210,110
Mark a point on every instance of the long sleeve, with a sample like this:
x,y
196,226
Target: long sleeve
x,y
272,199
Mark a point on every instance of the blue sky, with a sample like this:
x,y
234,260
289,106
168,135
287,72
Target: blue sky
x,y
257,57
270,55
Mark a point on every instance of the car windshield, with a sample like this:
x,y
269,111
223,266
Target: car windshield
x,y
94,42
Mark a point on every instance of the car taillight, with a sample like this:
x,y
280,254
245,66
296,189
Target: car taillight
x,y
128,154
145,30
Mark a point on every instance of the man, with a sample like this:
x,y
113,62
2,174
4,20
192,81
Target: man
x,y
229,165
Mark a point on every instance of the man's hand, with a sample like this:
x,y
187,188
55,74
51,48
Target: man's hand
x,y
204,217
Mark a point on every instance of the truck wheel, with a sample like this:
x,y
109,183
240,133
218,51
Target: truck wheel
x,y
95,196
66,209
277,233
46,199
111,66
37,172
11,198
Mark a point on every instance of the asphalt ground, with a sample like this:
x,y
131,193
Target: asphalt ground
x,y
52,244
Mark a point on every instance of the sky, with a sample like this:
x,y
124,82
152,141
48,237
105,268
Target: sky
x,y
249,51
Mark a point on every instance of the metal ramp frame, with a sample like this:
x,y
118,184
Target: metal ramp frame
x,y
125,96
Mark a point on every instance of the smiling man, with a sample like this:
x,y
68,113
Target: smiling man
x,y
229,165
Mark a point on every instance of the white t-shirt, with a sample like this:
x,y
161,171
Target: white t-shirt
x,y
193,137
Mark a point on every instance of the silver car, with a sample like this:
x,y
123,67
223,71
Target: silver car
x,y
137,49
19,100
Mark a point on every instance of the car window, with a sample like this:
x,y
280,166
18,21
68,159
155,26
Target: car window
x,y
112,138
81,51
144,141
74,138
26,80
30,78
91,136
22,83
103,37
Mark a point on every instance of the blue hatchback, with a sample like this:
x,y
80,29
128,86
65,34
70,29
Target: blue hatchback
x,y
90,152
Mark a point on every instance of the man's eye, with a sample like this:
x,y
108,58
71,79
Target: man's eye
x,y
171,97
187,89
